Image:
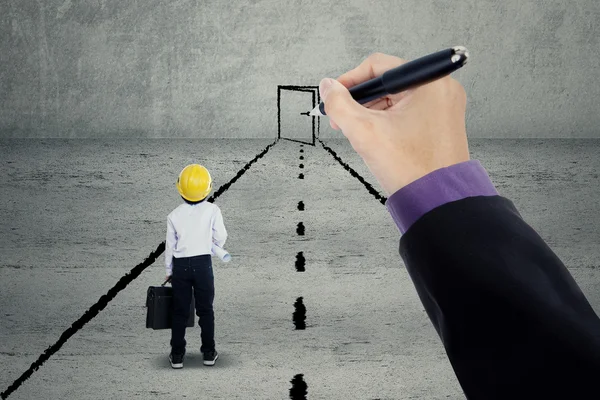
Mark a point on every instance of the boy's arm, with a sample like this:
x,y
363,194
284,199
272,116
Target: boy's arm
x,y
219,233
169,246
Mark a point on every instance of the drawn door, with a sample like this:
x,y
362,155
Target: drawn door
x,y
294,105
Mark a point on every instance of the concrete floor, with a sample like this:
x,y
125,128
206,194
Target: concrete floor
x,y
77,215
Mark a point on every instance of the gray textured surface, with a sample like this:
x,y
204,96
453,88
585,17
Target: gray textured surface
x,y
293,125
155,68
79,214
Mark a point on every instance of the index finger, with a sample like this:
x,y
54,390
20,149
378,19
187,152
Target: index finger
x,y
372,67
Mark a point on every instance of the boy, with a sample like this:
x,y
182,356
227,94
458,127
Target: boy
x,y
192,228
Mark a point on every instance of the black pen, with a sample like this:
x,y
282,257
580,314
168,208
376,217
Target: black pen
x,y
407,76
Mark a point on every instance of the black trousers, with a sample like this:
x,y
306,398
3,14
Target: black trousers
x,y
193,272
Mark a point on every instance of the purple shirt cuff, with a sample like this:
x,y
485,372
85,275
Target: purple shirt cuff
x,y
456,182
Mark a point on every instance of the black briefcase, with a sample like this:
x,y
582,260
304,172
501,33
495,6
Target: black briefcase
x,y
159,302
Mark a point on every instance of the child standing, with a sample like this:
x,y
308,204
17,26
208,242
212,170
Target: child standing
x,y
192,228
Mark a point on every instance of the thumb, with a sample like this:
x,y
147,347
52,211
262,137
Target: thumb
x,y
339,104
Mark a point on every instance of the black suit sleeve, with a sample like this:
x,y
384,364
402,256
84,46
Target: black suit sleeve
x,y
512,319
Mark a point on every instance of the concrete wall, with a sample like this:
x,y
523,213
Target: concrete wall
x,y
157,68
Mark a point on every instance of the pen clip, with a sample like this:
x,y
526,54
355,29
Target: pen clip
x,y
460,53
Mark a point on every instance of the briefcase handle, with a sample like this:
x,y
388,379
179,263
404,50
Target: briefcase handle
x,y
163,284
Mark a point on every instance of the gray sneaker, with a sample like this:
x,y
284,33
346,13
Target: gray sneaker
x,y
210,357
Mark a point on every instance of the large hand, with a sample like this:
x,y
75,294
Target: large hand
x,y
400,137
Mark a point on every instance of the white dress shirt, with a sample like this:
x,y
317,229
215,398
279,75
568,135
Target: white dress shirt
x,y
192,230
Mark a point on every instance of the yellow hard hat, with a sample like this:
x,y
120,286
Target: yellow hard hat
x,y
194,182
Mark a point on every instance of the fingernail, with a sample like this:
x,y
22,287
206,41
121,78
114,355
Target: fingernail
x,y
324,87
